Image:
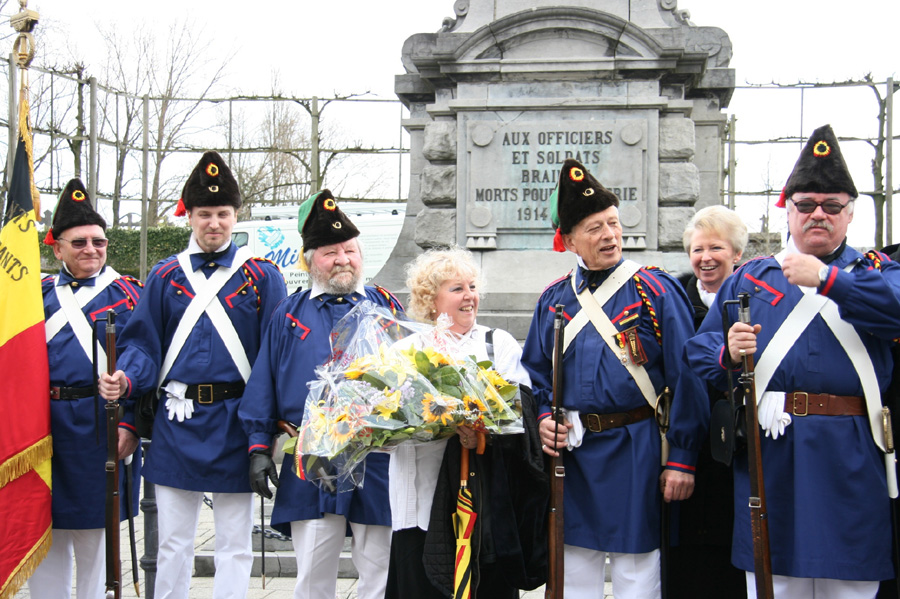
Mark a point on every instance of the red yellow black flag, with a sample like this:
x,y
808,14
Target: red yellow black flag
x,y
25,443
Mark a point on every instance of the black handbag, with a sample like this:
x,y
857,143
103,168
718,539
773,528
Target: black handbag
x,y
145,409
727,431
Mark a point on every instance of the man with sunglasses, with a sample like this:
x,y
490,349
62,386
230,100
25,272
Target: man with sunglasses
x,y
822,319
194,338
84,289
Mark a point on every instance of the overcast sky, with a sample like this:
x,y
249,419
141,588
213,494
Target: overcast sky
x,y
349,46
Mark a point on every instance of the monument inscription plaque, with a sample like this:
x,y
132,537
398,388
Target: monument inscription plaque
x,y
513,168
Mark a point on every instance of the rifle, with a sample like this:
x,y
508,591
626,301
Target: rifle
x,y
113,560
129,495
759,517
555,520
663,409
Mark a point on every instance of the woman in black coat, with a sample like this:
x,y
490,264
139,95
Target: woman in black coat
x,y
700,565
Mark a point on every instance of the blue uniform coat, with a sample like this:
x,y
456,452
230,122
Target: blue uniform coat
x,y
79,460
612,497
824,479
207,452
296,341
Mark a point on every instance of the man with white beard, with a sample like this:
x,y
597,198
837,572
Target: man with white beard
x,y
295,343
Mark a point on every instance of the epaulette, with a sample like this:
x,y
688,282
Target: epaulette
x,y
877,258
253,275
128,284
166,266
741,267
658,289
257,259
133,280
47,279
559,280
391,298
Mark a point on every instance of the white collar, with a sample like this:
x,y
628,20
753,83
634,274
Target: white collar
x,y
707,297
194,247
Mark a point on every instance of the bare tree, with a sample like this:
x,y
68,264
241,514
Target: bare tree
x,y
180,80
878,195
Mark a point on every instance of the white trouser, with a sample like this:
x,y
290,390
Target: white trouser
x,y
318,543
634,575
178,514
788,587
52,579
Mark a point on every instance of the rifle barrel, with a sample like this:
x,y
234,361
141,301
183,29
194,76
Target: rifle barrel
x,y
113,560
759,520
556,517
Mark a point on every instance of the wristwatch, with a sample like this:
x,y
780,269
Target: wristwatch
x,y
823,274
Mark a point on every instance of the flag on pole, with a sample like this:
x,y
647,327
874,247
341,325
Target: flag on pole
x,y
25,443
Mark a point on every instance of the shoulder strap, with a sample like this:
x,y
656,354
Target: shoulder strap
x,y
610,286
70,311
205,301
592,307
489,344
796,323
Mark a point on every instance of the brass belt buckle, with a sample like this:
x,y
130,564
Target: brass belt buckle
x,y
805,411
205,394
593,422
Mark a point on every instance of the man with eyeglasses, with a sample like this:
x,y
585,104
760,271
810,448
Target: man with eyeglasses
x,y
84,288
197,335
822,319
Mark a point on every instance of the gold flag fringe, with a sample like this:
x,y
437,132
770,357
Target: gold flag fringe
x,y
26,460
27,566
25,133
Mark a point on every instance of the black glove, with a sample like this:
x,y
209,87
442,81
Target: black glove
x,y
262,466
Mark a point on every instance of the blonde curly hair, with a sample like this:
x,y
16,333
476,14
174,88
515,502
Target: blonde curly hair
x,y
426,274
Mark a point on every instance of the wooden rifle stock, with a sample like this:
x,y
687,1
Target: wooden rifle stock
x,y
556,520
759,517
113,561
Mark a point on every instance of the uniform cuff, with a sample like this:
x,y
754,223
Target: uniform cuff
x,y
683,460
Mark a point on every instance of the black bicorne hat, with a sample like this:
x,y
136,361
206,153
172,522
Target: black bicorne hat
x,y
578,195
321,222
73,209
210,184
820,168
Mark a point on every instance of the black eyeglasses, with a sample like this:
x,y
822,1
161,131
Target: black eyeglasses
x,y
81,243
828,206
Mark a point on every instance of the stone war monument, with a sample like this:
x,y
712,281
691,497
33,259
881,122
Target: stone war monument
x,y
508,89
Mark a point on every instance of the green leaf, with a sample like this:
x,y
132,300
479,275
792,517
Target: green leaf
x,y
451,391
290,445
423,364
374,380
508,392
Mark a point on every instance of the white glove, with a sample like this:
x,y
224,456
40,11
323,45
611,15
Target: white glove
x,y
177,404
772,416
576,433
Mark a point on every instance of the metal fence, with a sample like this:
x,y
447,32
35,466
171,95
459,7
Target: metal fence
x,y
283,148
128,147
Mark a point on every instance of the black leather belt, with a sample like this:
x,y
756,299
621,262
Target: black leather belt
x,y
208,393
69,393
596,423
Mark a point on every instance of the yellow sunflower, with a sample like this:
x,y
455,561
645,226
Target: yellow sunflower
x,y
493,377
473,405
493,399
342,429
438,409
359,367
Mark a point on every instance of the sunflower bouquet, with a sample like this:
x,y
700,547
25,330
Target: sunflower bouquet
x,y
393,381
